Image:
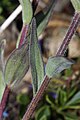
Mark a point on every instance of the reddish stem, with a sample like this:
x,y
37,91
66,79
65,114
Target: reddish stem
x,y
3,101
23,34
70,33
36,99
46,81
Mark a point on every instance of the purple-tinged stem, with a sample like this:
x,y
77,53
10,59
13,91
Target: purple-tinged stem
x,y
70,33
36,99
3,101
23,34
46,81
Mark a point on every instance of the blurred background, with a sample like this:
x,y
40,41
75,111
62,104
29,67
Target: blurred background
x,y
61,100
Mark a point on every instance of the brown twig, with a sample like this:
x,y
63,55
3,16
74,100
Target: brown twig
x,y
60,52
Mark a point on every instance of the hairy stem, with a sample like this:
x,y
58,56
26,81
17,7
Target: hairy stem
x,y
60,52
3,101
36,99
70,33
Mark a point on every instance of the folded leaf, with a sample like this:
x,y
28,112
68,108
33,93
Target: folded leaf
x,y
37,68
57,64
76,5
17,65
27,12
43,17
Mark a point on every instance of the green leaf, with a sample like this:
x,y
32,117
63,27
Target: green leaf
x,y
74,100
36,61
70,116
17,65
62,97
43,112
50,100
43,17
68,72
72,92
23,99
43,117
76,5
57,64
27,12
75,107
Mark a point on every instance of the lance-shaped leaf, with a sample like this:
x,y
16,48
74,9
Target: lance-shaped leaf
x,y
43,17
76,5
27,12
37,68
17,65
57,64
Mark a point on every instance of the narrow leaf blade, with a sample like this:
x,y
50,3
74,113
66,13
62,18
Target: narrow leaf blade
x,y
17,65
27,12
75,99
43,17
57,64
36,59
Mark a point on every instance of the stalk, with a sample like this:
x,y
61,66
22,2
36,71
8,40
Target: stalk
x,y
69,34
23,34
60,52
